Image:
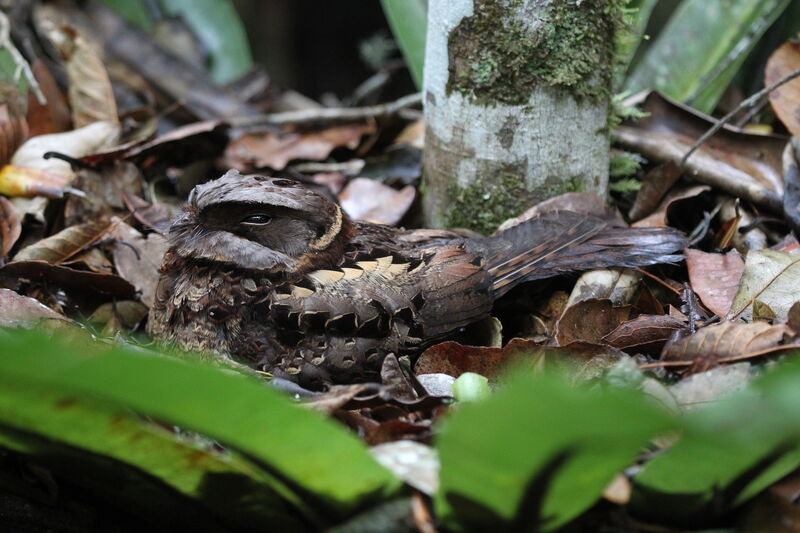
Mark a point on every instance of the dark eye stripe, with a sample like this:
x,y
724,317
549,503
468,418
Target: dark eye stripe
x,y
259,220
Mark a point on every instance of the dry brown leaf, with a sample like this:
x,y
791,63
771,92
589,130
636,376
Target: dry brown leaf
x,y
715,278
659,217
10,227
785,99
454,359
109,286
52,117
589,321
732,155
371,201
268,149
66,243
138,258
727,341
90,94
17,311
645,332
579,202
13,130
655,184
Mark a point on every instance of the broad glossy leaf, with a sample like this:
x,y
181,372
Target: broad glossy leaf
x,y
139,464
704,43
219,28
408,20
311,455
538,453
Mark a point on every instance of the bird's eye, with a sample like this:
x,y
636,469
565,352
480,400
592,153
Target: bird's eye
x,y
257,220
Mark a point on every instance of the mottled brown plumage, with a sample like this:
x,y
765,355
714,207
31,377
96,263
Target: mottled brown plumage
x,y
269,273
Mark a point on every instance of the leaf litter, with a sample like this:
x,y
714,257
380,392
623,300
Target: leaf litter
x,y
98,256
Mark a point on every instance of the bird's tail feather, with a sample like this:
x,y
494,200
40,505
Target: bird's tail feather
x,y
561,242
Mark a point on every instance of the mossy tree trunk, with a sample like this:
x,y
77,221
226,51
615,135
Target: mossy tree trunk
x,y
516,105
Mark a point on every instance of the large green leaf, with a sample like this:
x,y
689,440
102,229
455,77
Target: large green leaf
x,y
219,28
702,46
311,456
726,454
538,453
138,465
408,20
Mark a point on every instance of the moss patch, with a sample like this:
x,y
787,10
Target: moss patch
x,y
493,56
486,204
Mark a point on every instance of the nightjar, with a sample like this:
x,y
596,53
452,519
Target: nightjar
x,y
271,274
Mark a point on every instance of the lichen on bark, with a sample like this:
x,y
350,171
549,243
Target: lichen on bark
x,y
495,55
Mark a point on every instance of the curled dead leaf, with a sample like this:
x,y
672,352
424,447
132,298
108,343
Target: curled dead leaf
x,y
727,341
10,227
66,243
454,359
90,94
644,331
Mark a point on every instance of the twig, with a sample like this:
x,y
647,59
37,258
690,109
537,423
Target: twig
x,y
306,116
747,103
19,61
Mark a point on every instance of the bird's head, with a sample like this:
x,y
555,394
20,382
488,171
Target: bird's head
x,y
259,222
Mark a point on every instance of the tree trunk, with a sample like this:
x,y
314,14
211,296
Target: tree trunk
x,y
516,105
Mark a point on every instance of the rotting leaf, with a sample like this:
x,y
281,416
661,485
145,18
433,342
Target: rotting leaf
x,y
268,149
66,243
90,94
771,277
372,201
10,227
715,278
589,321
785,99
727,341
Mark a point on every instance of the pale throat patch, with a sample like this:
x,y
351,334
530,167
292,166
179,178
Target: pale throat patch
x,y
333,231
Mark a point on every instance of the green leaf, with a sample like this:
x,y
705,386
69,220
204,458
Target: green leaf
x,y
135,13
219,28
698,52
727,454
408,20
636,16
135,463
538,453
321,462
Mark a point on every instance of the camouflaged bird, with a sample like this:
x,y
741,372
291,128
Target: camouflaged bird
x,y
274,275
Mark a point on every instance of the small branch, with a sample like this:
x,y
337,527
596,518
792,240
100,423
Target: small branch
x,y
746,104
306,116
19,61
